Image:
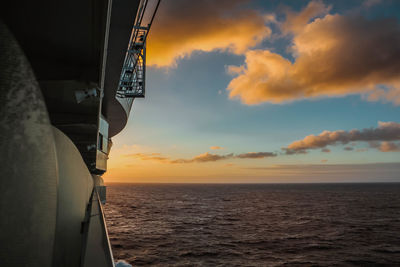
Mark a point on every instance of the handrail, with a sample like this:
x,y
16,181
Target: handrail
x,y
93,227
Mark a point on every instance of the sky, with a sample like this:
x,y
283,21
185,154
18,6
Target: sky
x,y
266,92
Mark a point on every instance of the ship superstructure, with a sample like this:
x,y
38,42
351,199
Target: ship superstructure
x,y
69,73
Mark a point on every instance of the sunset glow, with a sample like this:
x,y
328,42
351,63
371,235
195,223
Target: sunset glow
x,y
257,92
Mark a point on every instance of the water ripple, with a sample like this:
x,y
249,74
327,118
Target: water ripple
x,y
255,225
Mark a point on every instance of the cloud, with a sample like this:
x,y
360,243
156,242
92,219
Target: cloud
x,y
208,157
386,131
148,156
289,151
255,155
389,147
295,22
333,56
205,157
182,27
326,150
216,147
370,3
348,148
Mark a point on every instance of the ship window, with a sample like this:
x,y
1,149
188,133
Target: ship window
x,y
100,144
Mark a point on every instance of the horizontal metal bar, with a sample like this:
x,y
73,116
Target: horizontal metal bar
x,y
141,28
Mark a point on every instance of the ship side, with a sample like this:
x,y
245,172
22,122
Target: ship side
x,y
69,74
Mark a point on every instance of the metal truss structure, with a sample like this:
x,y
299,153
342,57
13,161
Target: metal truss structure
x,y
132,81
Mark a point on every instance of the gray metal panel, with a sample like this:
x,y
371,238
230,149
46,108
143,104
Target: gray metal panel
x,y
102,190
28,177
101,160
123,15
103,127
97,248
74,191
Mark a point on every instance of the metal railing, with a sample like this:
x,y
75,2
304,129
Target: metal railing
x,y
132,81
96,247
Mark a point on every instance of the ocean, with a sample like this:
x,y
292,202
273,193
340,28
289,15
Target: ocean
x,y
254,224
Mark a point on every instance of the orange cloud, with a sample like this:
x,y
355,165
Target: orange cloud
x,y
386,131
205,157
148,156
334,56
295,22
216,147
256,155
389,147
182,27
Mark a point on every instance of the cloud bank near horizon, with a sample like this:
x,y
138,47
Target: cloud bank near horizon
x,y
205,157
385,137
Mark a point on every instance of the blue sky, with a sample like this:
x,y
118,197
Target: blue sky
x,y
187,108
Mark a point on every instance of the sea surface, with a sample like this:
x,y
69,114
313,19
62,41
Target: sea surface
x,y
255,225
